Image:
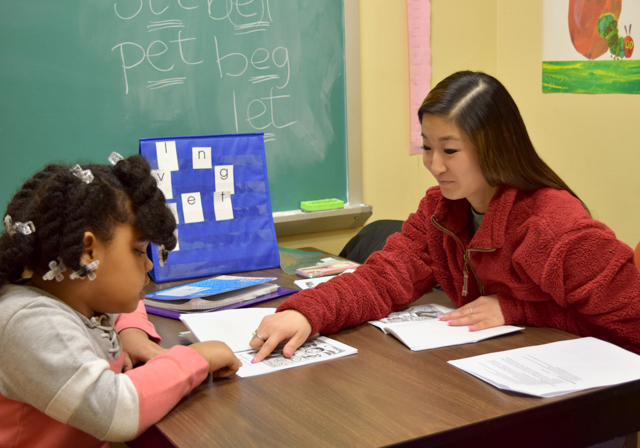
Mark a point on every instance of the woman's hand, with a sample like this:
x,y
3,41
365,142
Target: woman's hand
x,y
275,328
484,312
137,348
222,361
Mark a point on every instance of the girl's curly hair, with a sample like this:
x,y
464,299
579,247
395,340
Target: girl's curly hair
x,y
62,207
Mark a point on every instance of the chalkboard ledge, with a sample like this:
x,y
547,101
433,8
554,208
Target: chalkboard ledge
x,y
296,222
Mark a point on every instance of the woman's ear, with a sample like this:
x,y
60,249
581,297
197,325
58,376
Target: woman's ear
x,y
91,243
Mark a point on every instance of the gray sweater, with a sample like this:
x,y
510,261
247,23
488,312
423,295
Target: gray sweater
x,y
58,361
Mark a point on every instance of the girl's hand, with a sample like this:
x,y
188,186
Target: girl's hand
x,y
484,312
137,347
290,325
222,362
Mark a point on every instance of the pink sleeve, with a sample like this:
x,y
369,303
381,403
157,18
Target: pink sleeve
x,y
138,319
162,382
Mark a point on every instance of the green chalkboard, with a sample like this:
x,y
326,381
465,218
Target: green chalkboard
x,y
82,78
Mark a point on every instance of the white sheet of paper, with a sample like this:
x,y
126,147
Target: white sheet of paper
x,y
222,205
315,350
201,158
192,208
163,179
167,156
174,209
555,369
224,178
233,327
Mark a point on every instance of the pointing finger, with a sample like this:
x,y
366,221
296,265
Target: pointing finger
x,y
268,346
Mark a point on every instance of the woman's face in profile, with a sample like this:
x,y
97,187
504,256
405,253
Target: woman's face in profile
x,y
450,157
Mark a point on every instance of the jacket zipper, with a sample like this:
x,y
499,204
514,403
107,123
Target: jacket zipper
x,y
466,256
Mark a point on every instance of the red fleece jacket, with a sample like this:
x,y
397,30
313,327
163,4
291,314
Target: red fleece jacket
x,y
548,262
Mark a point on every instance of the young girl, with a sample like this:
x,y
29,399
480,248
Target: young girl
x,y
503,235
83,234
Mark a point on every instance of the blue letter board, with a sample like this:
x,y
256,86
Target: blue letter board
x,y
217,187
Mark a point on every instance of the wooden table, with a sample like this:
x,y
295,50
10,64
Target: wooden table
x,y
388,395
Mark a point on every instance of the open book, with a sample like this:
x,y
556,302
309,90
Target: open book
x,y
419,328
235,328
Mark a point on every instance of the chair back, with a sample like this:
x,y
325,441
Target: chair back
x,y
371,238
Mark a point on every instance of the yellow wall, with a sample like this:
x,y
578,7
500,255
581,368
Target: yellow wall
x,y
589,140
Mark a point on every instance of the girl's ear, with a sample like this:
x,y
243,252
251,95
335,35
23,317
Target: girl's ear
x,y
90,244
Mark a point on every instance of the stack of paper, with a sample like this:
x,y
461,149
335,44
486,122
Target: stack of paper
x,y
419,328
555,369
313,282
211,294
235,328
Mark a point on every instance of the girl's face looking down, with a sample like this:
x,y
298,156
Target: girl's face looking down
x,y
451,158
122,273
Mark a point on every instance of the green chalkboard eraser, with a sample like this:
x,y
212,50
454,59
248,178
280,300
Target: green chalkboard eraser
x,y
321,204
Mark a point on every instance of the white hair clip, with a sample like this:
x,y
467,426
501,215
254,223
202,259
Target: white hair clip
x,y
56,271
115,158
86,270
163,255
25,228
85,176
8,225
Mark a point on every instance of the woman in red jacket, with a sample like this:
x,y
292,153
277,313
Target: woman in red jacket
x,y
504,236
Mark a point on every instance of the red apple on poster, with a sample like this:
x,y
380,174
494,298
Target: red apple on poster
x,y
583,19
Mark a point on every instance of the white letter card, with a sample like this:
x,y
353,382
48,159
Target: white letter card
x,y
192,208
224,178
167,156
163,178
222,205
201,158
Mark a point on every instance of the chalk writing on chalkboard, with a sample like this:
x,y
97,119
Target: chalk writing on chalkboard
x,y
96,76
233,58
